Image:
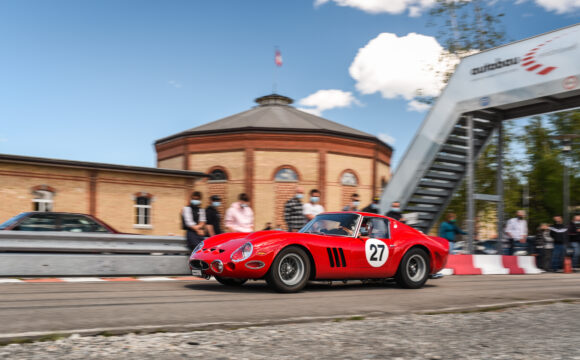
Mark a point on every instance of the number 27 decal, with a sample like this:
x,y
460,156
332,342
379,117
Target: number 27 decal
x,y
377,252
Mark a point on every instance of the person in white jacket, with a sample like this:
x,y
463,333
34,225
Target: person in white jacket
x,y
516,230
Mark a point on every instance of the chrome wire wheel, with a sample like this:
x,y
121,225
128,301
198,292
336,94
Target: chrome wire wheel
x,y
416,268
291,269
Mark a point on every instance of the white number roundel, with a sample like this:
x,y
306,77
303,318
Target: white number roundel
x,y
377,252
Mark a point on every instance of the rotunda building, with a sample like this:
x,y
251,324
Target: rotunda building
x,y
270,149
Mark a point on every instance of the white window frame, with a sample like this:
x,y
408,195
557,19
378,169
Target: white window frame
x,y
140,214
44,200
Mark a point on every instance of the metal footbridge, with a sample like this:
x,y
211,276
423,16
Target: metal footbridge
x,y
528,77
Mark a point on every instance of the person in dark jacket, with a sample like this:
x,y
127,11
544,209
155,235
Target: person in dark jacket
x,y
448,229
214,219
395,211
373,207
558,232
193,220
574,238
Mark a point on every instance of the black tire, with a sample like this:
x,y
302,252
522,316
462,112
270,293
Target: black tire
x,y
290,270
413,270
230,281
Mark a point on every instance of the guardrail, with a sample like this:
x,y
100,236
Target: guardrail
x,y
31,253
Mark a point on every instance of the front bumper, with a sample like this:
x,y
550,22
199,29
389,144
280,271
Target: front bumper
x,y
255,267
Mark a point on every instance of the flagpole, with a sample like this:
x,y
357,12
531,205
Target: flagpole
x,y
274,84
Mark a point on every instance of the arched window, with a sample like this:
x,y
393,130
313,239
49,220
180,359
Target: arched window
x,y
348,178
286,174
143,210
218,175
43,200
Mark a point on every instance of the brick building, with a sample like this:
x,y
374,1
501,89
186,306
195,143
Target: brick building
x,y
132,199
269,149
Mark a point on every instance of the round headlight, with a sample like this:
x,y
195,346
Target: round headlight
x,y
242,253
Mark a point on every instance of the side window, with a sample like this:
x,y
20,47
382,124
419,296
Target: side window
x,y
78,223
375,228
38,222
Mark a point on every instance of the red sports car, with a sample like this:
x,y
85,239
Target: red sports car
x,y
332,246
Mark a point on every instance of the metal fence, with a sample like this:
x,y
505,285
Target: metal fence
x,y
30,253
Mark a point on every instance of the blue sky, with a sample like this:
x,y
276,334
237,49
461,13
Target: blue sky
x,y
102,80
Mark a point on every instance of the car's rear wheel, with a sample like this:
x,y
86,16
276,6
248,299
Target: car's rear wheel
x,y
414,269
230,281
289,271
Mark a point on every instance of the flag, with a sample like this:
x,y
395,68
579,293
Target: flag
x,y
278,58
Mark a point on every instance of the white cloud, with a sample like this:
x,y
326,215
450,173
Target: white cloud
x,y
386,138
327,99
417,106
175,84
383,6
559,6
401,67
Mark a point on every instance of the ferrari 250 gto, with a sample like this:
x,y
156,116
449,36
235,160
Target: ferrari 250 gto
x,y
332,246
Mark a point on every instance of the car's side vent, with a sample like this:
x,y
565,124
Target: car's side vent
x,y
336,257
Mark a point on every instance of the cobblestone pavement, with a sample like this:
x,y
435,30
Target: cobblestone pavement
x,y
532,332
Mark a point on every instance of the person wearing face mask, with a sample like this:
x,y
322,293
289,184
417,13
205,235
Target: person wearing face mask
x,y
313,208
354,203
574,238
395,212
293,211
213,216
373,207
193,220
240,217
448,229
516,230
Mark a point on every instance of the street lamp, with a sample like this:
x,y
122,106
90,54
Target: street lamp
x,y
566,142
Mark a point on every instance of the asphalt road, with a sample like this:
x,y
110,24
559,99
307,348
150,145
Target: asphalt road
x,y
64,307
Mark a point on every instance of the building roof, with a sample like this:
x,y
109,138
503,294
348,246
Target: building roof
x,y
274,115
98,166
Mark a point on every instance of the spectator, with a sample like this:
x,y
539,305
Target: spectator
x,y
293,213
268,226
354,203
193,221
574,238
373,207
395,211
544,245
313,208
516,230
213,216
239,216
558,232
448,229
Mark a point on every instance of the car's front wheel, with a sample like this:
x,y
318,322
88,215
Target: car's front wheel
x,y
230,281
289,271
413,269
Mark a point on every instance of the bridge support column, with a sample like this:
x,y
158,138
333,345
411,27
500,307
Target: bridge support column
x,y
499,186
470,185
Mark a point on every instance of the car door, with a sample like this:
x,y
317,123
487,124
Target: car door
x,y
374,246
80,223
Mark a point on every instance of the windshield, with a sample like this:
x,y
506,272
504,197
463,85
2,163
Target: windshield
x,y
332,224
12,221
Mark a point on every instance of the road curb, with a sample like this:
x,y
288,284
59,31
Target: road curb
x,y
27,337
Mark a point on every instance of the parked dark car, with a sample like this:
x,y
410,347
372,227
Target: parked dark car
x,y
57,221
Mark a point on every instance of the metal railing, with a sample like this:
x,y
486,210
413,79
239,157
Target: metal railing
x,y
31,253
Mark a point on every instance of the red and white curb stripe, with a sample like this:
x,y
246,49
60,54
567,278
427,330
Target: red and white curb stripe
x,y
97,279
490,265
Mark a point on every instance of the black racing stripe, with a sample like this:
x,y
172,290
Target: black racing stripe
x,y
330,257
342,257
336,257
